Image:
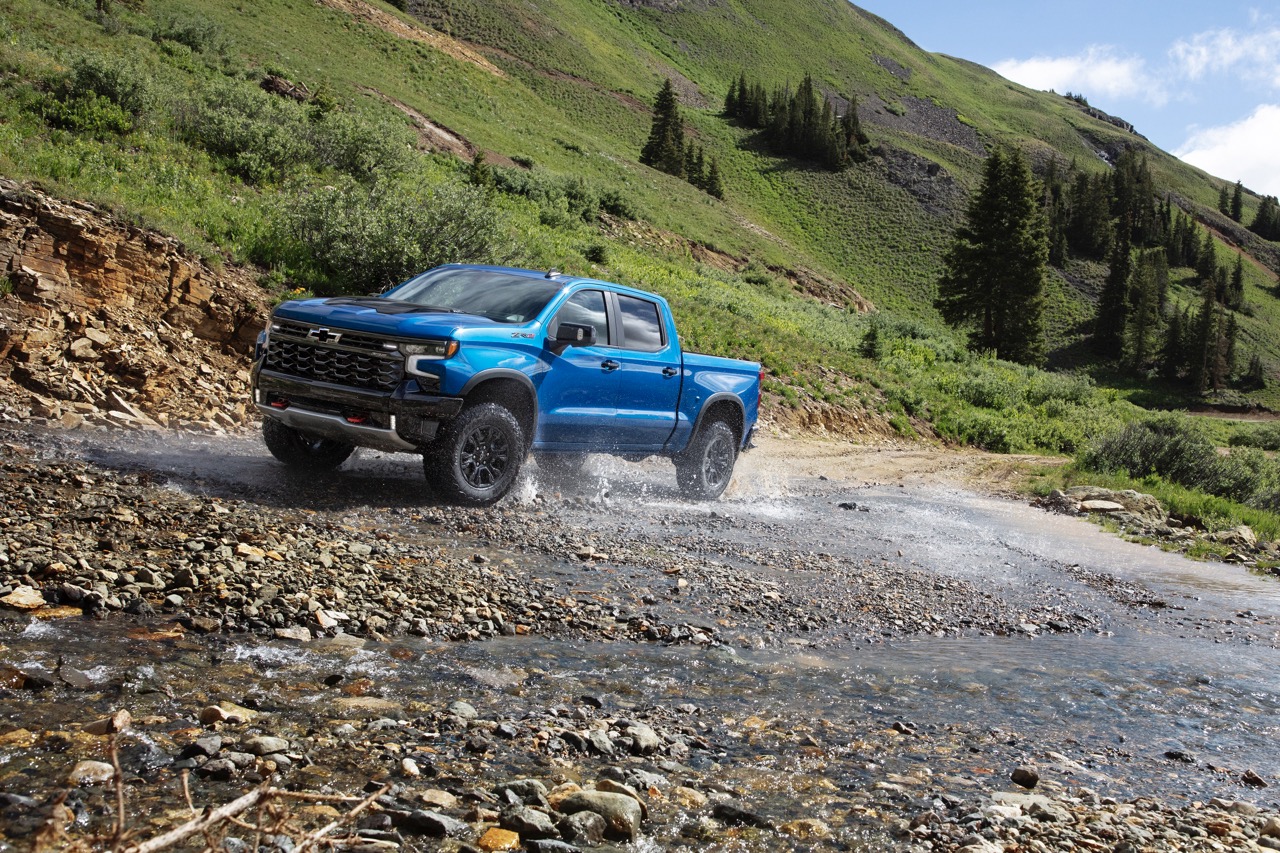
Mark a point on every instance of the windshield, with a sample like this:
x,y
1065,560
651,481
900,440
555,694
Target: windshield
x,y
497,295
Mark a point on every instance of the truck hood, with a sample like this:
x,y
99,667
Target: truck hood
x,y
376,315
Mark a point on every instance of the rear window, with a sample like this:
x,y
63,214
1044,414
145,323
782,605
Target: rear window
x,y
496,295
641,324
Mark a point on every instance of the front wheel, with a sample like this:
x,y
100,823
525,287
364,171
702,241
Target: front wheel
x,y
303,452
477,456
704,469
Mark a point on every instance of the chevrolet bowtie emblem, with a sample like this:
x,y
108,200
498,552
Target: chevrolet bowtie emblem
x,y
323,335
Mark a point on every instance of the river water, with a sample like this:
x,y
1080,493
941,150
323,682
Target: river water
x,y
1172,690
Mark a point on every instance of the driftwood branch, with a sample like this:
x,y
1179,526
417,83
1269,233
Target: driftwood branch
x,y
211,817
314,838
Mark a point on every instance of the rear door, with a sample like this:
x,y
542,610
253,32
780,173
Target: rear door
x,y
577,395
648,390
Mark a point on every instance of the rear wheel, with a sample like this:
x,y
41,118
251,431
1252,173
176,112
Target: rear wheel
x,y
477,456
301,451
704,469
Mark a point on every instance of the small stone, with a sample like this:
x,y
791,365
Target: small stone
x,y
265,745
1253,780
622,814
733,815
117,722
296,632
498,839
24,598
1025,776
91,773
805,828
409,767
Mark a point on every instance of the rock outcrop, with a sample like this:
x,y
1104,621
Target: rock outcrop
x,y
101,321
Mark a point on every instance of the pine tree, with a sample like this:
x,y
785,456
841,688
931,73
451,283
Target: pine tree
x,y
1204,340
1144,312
1172,352
1224,201
1266,222
1254,376
994,270
715,185
1113,303
1237,202
731,100
664,150
1235,288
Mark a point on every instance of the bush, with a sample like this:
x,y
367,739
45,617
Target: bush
x,y
100,96
197,33
1171,447
259,137
1265,437
358,146
360,239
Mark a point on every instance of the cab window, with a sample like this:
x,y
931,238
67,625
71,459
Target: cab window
x,y
641,324
586,307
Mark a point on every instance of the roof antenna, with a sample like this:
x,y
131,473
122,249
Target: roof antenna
x,y
552,273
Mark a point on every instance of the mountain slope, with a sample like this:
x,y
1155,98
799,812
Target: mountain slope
x,y
560,90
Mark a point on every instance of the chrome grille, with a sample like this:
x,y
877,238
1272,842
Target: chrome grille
x,y
354,359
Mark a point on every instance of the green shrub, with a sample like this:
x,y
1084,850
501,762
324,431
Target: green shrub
x,y
197,33
359,146
1171,447
258,136
616,203
1265,437
353,238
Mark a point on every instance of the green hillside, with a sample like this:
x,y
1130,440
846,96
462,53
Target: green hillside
x,y
154,109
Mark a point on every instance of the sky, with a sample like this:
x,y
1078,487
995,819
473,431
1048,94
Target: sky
x,y
1200,79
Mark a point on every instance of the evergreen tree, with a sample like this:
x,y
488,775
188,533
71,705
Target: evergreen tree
x,y
1237,202
994,270
1235,288
731,100
1113,303
1204,340
715,185
1207,259
1089,230
1224,201
664,150
1266,222
1172,352
1254,377
1144,312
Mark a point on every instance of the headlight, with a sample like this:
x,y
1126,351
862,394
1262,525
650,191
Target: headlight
x,y
431,349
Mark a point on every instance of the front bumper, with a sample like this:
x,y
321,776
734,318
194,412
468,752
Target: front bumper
x,y
406,420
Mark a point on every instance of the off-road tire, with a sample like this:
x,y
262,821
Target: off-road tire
x,y
704,469
303,452
477,456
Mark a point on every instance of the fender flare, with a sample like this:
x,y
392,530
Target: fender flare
x,y
714,400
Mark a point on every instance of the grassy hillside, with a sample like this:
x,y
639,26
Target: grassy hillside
x,y
154,109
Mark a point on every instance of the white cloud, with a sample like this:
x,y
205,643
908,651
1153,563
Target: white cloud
x,y
1101,71
1243,151
1250,56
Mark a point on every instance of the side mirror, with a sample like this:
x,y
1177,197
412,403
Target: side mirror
x,y
573,335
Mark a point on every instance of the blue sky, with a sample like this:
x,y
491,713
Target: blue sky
x,y
1199,79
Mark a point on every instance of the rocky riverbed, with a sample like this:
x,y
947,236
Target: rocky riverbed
x,y
824,660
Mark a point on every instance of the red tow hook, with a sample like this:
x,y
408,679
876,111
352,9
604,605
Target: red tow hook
x,y
279,403
357,418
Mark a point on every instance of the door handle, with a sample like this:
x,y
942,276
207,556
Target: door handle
x,y
610,365
669,371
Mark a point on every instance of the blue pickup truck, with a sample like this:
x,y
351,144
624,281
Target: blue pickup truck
x,y
476,367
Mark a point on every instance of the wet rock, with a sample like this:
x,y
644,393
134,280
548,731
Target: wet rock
x,y
622,814
218,769
585,827
734,815
434,824
531,792
529,823
1252,779
498,839
548,845
91,773
117,722
265,745
805,829
1026,776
